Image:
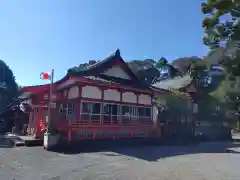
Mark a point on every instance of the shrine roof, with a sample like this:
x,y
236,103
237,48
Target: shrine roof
x,y
100,66
174,83
95,72
117,81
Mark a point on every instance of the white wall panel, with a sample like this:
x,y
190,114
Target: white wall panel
x,y
73,92
112,95
91,92
144,99
129,97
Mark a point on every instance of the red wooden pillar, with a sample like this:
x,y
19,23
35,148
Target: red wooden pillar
x,y
30,121
78,109
78,104
69,133
120,120
37,126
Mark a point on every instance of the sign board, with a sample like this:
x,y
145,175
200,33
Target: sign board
x,y
108,134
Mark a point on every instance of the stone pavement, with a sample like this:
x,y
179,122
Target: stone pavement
x,y
201,162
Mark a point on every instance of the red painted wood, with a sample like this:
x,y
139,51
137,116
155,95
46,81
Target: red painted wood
x,y
38,131
63,125
111,127
116,102
69,134
86,81
149,134
78,108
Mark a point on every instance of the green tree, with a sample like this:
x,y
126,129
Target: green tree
x,y
150,70
163,64
217,31
145,70
225,34
183,64
8,85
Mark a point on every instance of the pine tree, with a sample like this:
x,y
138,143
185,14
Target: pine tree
x,y
225,34
8,85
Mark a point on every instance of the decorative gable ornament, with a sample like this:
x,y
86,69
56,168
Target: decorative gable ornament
x,y
117,53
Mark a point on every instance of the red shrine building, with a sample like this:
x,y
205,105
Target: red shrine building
x,y
100,101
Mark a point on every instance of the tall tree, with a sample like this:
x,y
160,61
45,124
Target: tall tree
x,y
145,70
151,70
8,85
195,67
218,32
225,34
183,64
163,64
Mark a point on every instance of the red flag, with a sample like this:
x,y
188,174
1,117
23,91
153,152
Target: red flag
x,y
45,76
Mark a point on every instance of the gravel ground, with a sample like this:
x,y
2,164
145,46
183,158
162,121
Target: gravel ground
x,y
198,162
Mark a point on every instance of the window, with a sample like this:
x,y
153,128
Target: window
x,y
91,111
129,114
111,113
126,110
133,115
67,111
144,115
126,114
144,112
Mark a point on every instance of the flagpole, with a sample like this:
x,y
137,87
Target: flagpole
x,y
49,124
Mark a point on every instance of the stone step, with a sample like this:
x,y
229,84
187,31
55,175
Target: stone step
x,y
233,150
24,140
33,142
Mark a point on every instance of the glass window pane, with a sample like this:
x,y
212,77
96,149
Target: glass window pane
x,y
86,108
126,110
96,108
134,111
140,111
148,112
64,105
60,108
106,109
114,108
71,106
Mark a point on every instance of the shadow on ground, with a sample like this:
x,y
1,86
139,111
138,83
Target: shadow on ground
x,y
6,142
153,154
148,151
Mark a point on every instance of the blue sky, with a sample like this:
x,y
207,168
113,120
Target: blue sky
x,y
39,35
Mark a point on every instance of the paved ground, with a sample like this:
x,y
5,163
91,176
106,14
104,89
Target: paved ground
x,y
200,162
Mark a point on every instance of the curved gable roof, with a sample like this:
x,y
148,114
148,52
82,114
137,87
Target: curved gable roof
x,y
99,67
175,83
